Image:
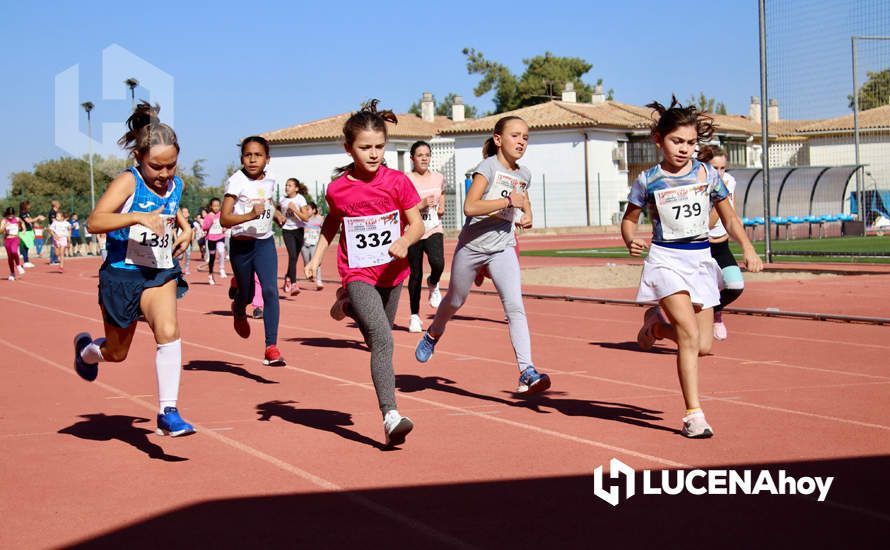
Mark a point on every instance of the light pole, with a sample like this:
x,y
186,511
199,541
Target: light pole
x,y
860,187
132,83
88,106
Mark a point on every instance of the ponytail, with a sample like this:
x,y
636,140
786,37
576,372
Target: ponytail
x,y
145,129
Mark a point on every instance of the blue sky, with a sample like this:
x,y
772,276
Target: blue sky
x,y
247,67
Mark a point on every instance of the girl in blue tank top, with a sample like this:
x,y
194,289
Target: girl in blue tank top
x,y
141,276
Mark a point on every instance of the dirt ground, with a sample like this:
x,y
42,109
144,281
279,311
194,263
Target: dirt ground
x,y
623,276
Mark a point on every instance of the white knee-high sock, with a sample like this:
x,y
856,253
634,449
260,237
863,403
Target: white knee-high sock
x,y
168,362
93,353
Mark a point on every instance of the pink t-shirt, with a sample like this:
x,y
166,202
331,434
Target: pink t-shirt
x,y
431,184
389,190
213,228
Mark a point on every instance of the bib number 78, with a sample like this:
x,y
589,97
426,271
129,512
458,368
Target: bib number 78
x,y
373,239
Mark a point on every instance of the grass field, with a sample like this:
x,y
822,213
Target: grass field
x,y
841,249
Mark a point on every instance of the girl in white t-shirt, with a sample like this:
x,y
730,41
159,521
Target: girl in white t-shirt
x,y
60,230
310,239
293,205
249,209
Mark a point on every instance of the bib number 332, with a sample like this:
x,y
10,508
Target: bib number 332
x,y
368,238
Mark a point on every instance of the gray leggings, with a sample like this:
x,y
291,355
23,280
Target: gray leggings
x,y
375,310
504,269
306,252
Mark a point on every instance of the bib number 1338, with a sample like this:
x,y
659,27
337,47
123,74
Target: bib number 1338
x,y
148,249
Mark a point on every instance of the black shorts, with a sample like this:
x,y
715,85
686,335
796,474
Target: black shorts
x,y
723,255
121,289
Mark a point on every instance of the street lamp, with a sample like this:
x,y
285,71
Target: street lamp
x,y
132,83
88,106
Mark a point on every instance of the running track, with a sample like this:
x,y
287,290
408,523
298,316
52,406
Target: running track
x,y
291,456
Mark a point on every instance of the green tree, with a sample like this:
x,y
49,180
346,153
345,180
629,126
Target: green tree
x,y
707,104
444,108
544,78
875,92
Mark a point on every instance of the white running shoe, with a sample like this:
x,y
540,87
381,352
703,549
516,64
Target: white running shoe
x,y
720,332
222,275
20,269
210,280
11,278
396,427
28,265
696,427
415,325
435,295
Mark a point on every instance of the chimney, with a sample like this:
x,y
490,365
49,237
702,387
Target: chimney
x,y
754,109
772,112
457,109
569,95
598,95
427,107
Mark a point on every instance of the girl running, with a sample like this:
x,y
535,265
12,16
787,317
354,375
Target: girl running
x,y
60,230
293,204
141,275
495,205
28,236
733,282
310,241
679,272
248,209
216,244
377,209
430,186
11,226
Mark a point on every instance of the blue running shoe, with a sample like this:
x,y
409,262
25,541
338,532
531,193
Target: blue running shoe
x,y
531,381
170,423
87,371
425,348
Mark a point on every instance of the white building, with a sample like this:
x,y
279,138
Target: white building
x,y
583,156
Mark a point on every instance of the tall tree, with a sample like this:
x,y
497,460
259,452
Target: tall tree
x,y
707,104
544,78
875,92
443,108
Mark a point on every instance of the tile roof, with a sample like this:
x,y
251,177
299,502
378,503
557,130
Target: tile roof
x,y
331,129
870,119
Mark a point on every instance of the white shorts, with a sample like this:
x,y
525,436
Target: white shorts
x,y
668,271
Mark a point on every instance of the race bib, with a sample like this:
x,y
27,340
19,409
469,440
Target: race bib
x,y
311,235
500,188
368,238
148,249
430,218
261,225
683,210
216,227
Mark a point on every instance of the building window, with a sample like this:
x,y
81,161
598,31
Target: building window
x,y
642,152
736,153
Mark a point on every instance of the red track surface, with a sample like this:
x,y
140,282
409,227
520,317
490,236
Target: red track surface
x,y
291,456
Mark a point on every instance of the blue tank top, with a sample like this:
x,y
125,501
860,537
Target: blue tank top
x,y
143,200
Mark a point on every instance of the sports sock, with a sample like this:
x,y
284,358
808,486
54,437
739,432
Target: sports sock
x,y
168,362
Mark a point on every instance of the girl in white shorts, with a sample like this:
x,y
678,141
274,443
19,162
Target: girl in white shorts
x,y
679,272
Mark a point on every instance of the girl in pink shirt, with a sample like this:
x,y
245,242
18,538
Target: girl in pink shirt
x,y
377,210
11,226
430,186
216,239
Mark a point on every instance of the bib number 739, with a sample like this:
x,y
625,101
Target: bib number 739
x,y
687,210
